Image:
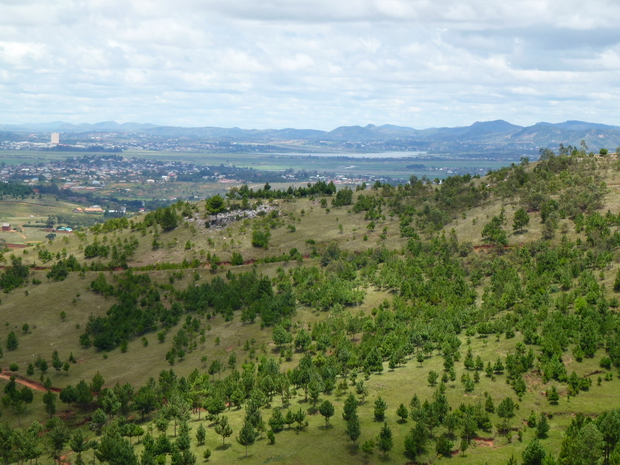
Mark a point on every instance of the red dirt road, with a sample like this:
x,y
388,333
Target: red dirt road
x,y
26,382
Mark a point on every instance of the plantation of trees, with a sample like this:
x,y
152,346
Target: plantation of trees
x,y
473,320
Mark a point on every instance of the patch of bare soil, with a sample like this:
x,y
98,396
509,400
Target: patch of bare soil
x,y
26,382
485,442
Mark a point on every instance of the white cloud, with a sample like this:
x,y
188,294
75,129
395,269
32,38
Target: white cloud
x,y
308,63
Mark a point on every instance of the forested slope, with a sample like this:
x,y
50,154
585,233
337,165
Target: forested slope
x,y
475,320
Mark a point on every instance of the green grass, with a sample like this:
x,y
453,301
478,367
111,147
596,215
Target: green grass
x,y
32,210
40,306
315,223
397,386
18,157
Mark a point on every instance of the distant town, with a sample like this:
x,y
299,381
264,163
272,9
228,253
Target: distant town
x,y
134,142
94,172
105,173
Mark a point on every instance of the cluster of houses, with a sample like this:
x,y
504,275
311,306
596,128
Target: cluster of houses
x,y
92,173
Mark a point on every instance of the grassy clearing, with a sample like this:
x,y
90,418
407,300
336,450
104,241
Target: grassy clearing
x,y
33,210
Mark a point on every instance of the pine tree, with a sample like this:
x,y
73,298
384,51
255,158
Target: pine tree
x,y
168,219
469,360
79,444
521,220
533,453
315,387
247,436
223,428
499,366
201,434
11,341
380,408
56,362
49,399
327,410
97,383
464,446
69,395
368,446
506,410
276,422
542,428
289,419
385,441
353,427
444,446
350,407
553,395
415,440
402,412
57,437
617,282
300,419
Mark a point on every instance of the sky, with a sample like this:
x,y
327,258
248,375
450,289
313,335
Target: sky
x,y
309,63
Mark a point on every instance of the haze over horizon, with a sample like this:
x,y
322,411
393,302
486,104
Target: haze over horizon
x,y
309,64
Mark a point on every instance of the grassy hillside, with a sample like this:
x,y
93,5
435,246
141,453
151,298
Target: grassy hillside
x,y
285,302
30,211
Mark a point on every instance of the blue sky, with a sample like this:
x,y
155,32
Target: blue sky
x,y
309,64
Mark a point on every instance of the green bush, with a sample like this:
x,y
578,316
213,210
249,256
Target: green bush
x,y
261,239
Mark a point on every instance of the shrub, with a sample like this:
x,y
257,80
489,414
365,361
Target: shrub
x,y
261,239
236,259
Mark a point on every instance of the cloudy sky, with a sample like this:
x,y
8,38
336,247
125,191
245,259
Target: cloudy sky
x,y
309,63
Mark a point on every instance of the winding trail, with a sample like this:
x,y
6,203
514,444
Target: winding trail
x,y
26,382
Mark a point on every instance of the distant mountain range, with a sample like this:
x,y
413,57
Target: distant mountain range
x,y
491,135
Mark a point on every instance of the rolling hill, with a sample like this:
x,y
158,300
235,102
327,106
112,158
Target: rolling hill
x,y
478,136
473,320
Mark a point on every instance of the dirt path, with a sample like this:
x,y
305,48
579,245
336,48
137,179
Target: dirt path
x,y
29,204
26,382
251,262
39,268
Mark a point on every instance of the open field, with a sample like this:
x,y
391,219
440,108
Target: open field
x,y
34,210
18,157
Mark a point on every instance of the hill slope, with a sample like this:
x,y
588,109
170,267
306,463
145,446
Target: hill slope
x,y
472,304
